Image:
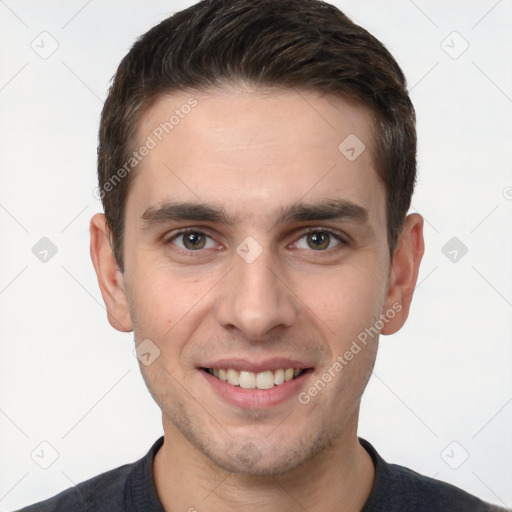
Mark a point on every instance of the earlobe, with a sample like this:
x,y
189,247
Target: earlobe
x,y
404,272
110,278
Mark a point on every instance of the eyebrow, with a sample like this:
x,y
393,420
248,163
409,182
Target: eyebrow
x,y
170,211
334,209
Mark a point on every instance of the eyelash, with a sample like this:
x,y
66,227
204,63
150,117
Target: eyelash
x,y
330,232
182,232
342,241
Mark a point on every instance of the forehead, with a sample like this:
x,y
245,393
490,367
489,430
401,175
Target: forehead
x,y
255,151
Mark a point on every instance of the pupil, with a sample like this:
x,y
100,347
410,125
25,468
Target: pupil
x,y
194,241
319,240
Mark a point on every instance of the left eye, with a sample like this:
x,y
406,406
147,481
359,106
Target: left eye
x,y
193,241
317,241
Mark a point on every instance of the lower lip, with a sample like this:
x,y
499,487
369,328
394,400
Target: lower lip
x,y
257,398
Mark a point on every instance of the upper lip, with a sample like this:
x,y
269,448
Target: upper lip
x,y
257,366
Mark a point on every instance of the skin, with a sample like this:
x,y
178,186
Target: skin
x,y
255,153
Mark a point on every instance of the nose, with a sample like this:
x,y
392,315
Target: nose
x,y
255,300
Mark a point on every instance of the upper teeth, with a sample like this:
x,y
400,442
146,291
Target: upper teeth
x,y
250,380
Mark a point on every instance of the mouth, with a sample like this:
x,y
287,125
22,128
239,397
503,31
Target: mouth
x,y
266,379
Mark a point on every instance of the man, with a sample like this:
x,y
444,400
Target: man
x,y
256,165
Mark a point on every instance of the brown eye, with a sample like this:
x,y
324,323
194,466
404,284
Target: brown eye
x,y
192,241
318,240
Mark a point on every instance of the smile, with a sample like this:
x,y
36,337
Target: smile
x,y
251,380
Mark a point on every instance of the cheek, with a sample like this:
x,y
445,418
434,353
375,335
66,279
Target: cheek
x,y
345,300
345,318
167,305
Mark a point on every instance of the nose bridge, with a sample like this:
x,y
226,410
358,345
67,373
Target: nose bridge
x,y
255,301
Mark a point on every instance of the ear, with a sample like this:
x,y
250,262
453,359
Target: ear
x,y
404,272
109,275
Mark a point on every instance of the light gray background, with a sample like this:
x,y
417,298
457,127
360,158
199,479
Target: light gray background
x,y
442,388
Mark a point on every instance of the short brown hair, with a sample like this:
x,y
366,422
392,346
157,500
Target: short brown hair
x,y
300,44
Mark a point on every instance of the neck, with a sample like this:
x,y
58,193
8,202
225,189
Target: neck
x,y
339,479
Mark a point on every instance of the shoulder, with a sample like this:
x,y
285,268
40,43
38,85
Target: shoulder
x,y
126,488
103,492
400,488
426,494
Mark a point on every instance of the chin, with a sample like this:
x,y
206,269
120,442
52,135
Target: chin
x,y
267,458
266,466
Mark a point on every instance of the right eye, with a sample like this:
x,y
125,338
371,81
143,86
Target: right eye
x,y
191,240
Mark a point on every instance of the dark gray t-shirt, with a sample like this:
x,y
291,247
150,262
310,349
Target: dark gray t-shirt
x,y
131,488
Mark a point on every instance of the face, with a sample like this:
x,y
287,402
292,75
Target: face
x,y
255,245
